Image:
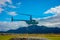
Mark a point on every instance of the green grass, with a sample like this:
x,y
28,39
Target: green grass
x,y
48,36
5,37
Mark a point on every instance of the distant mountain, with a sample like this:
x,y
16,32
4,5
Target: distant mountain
x,y
34,29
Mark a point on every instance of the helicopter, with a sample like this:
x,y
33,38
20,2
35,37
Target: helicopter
x,y
30,21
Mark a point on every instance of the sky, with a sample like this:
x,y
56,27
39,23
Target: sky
x,y
46,12
36,8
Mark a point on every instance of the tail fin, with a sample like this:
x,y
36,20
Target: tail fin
x,y
12,19
30,17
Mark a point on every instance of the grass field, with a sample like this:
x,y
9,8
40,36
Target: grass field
x,y
48,36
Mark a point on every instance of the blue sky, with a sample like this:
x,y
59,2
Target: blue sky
x,y
32,7
45,12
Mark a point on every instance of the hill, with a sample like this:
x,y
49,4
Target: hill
x,y
34,29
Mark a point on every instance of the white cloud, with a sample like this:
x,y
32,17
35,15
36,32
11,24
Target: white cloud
x,y
3,2
12,13
51,21
4,6
5,26
37,19
12,6
9,1
19,3
1,9
55,10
